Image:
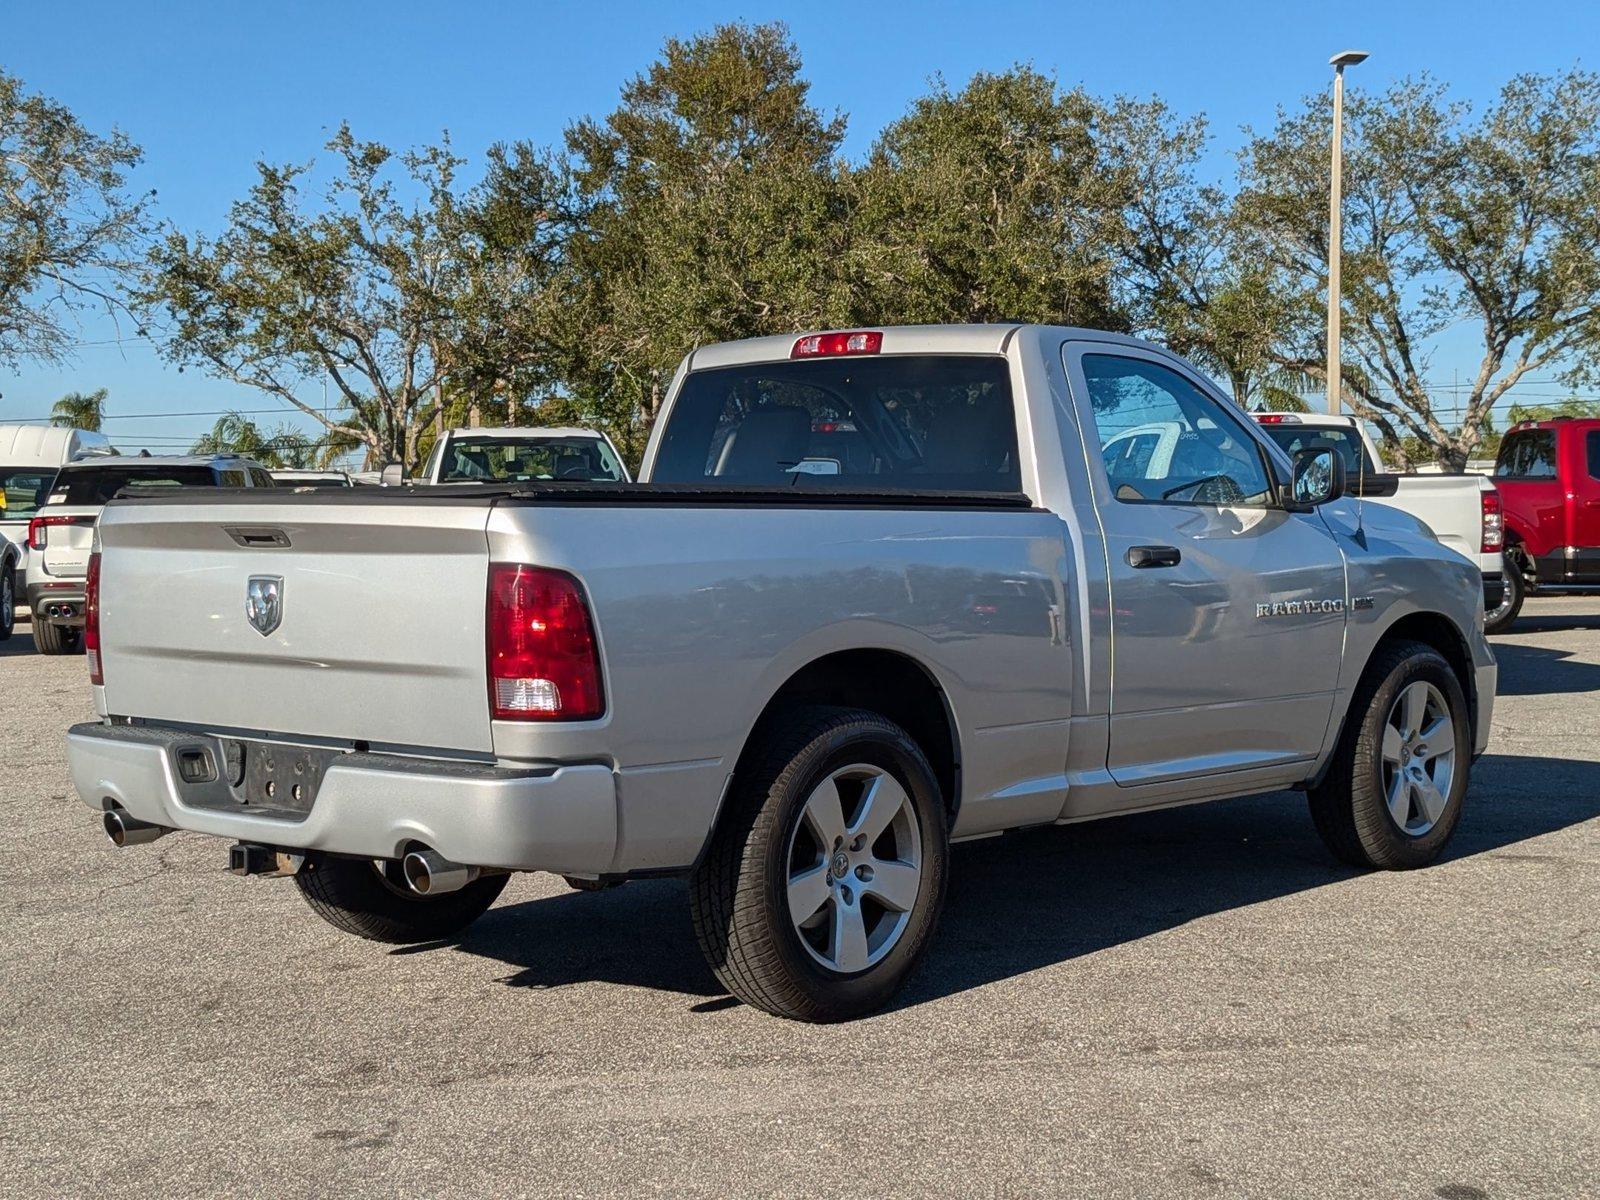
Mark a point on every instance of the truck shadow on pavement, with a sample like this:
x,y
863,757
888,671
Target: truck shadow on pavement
x,y
1038,898
1540,671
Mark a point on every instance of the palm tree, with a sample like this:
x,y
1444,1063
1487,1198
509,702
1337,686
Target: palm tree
x,y
80,410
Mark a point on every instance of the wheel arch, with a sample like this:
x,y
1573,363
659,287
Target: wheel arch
x,y
889,682
1430,628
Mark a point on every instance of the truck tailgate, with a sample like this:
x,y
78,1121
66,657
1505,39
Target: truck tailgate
x,y
380,629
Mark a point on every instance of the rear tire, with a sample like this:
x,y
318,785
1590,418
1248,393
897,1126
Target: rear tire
x,y
1394,792
838,813
370,899
1501,619
55,639
8,601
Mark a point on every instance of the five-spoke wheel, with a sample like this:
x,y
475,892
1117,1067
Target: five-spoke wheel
x,y
1419,754
854,867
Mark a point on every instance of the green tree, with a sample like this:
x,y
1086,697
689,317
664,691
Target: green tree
x,y
80,410
283,446
1188,271
704,207
1570,407
994,203
1492,222
66,222
367,286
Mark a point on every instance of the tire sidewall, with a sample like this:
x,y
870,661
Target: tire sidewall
x,y
8,601
1516,591
1393,843
880,745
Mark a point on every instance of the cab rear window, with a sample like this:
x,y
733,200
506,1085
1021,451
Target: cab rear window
x,y
895,423
97,484
1530,454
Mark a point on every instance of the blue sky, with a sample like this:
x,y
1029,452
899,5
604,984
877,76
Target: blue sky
x,y
208,88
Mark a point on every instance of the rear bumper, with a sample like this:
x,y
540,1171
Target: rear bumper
x,y
552,818
1494,591
66,594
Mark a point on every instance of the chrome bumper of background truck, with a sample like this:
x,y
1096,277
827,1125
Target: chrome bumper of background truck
x,y
553,818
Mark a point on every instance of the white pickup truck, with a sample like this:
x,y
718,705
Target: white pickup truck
x,y
879,590
1463,511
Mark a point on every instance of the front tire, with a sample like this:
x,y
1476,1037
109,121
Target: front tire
x,y
1394,792
1500,619
824,879
371,900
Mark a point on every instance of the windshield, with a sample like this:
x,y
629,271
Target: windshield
x,y
1294,438
523,460
899,423
24,490
88,485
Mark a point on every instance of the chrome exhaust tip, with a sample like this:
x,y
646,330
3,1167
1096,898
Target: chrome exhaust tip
x,y
431,874
124,830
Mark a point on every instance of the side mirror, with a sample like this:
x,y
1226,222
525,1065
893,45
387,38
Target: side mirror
x,y
392,475
1318,477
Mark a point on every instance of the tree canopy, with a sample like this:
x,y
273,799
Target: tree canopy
x,y
80,410
715,201
67,223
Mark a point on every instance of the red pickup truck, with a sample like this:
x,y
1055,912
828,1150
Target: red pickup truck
x,y
1548,474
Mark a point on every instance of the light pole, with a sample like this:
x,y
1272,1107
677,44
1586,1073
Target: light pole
x,y
1345,58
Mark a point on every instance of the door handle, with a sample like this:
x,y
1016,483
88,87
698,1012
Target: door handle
x,y
1153,556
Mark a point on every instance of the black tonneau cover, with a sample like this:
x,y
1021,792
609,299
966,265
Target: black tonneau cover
x,y
688,495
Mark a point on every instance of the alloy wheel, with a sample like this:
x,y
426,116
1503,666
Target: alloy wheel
x,y
854,868
1419,757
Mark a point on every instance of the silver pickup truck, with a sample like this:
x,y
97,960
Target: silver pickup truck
x,y
877,591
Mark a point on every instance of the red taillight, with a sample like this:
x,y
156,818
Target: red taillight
x,y
38,525
1494,523
91,620
1276,419
831,345
544,664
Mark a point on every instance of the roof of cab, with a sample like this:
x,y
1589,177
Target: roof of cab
x,y
166,460
525,431
897,339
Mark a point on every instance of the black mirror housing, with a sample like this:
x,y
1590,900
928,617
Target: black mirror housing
x,y
1319,477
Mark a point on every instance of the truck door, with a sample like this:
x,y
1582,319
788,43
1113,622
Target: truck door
x,y
1227,613
1585,502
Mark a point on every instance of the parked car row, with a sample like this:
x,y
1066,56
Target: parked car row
x,y
864,601
54,483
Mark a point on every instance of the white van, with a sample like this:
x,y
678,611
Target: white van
x,y
30,456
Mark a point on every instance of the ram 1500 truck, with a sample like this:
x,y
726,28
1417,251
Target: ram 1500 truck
x,y
879,591
1462,510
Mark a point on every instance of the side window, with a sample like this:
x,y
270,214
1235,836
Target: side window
x,y
231,478
1592,442
1164,441
260,478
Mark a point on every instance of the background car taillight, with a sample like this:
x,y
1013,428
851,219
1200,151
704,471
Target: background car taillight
x,y
91,620
1494,529
38,525
544,663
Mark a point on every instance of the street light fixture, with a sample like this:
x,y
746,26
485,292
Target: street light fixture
x,y
1345,58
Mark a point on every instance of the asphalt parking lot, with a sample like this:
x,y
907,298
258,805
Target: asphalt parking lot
x,y
1191,1003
